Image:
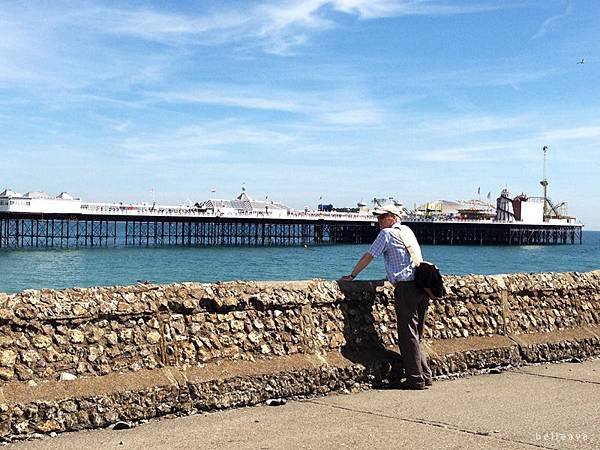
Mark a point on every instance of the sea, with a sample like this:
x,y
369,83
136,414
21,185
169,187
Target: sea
x,y
22,269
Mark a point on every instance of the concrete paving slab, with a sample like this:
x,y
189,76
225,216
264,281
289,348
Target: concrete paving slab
x,y
300,425
514,406
511,410
588,371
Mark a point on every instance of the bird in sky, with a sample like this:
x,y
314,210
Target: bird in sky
x,y
581,62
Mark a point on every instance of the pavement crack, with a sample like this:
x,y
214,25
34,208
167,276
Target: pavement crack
x,y
433,423
555,377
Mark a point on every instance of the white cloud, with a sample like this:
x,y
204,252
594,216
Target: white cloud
x,y
156,26
498,150
16,46
276,27
477,153
33,49
292,14
471,124
200,143
381,8
565,134
550,22
350,117
286,25
478,77
227,96
329,107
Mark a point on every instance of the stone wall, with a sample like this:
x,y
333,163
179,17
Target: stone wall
x,y
81,358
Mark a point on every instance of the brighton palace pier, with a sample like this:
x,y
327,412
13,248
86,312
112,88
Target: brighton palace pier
x,y
37,220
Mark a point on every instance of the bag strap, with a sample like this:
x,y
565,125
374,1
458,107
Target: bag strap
x,y
410,242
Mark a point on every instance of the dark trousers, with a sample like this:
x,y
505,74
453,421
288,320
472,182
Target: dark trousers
x,y
411,305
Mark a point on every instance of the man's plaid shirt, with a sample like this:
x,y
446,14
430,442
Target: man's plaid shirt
x,y
398,264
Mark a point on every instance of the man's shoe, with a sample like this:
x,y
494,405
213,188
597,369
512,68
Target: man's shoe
x,y
411,386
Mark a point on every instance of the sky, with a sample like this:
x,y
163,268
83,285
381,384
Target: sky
x,y
302,102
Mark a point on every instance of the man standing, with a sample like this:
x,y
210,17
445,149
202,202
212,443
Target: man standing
x,y
410,301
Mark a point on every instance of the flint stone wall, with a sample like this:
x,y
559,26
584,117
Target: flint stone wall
x,y
81,358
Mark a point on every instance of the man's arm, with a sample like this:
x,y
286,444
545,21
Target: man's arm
x,y
363,262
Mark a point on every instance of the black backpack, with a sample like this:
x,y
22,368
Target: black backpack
x,y
428,276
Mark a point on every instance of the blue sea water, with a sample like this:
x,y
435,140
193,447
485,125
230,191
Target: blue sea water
x,y
61,268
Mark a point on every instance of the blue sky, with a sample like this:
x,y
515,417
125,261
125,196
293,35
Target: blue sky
x,y
344,100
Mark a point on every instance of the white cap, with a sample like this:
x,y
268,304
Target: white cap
x,y
388,209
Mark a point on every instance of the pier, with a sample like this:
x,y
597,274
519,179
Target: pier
x,y
112,228
100,230
492,232
37,220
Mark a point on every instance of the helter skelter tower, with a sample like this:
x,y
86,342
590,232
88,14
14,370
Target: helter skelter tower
x,y
544,183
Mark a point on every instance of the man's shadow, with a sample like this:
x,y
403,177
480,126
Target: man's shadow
x,y
364,345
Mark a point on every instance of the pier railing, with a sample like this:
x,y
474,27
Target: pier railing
x,y
101,209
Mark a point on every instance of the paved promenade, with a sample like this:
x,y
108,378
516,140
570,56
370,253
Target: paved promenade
x,y
552,406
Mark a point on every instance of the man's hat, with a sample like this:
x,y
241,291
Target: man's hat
x,y
388,209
